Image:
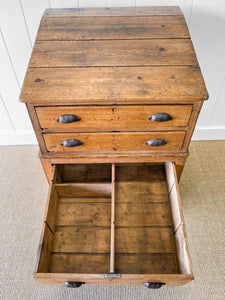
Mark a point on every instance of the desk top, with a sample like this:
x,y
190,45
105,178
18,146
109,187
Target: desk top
x,y
113,56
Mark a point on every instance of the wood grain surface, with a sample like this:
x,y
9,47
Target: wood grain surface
x,y
86,173
79,263
138,191
145,240
147,263
143,236
114,11
125,263
148,172
116,27
109,70
132,45
143,214
89,53
82,240
114,141
108,118
84,190
113,85
83,214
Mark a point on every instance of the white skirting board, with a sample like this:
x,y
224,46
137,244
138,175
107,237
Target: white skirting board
x,y
17,138
207,134
28,137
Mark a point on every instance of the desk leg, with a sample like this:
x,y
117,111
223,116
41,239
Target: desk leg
x,y
47,167
180,163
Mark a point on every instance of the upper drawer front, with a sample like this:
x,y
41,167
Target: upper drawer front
x,y
108,118
142,141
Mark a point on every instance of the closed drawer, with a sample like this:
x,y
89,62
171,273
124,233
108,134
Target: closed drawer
x,y
110,118
82,142
114,224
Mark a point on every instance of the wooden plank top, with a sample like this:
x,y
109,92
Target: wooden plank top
x,y
113,56
113,11
111,28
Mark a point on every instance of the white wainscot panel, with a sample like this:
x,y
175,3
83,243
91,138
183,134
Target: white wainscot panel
x,y
218,117
18,138
5,122
121,3
149,2
64,3
16,36
214,73
185,6
92,3
202,25
33,11
10,92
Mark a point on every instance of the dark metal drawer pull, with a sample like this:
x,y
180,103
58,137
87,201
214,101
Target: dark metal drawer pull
x,y
156,142
71,143
68,118
153,285
73,284
160,117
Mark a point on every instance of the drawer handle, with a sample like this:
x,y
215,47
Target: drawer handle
x,y
73,284
160,117
68,118
156,142
153,285
71,143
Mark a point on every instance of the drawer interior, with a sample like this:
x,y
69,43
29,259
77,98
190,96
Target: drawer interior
x,y
144,237
114,219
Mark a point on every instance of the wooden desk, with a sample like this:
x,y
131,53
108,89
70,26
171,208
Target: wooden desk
x,y
113,95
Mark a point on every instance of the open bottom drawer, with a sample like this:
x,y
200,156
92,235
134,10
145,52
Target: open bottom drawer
x,y
118,224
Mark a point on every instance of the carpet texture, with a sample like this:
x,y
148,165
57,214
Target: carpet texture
x,y
23,192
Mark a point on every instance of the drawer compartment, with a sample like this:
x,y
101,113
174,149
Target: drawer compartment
x,y
114,224
109,118
111,142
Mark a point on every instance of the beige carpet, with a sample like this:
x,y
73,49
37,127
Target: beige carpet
x,y
23,194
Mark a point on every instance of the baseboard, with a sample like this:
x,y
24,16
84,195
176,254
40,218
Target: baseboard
x,y
28,137
18,138
205,134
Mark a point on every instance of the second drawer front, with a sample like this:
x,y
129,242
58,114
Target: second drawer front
x,y
97,118
81,142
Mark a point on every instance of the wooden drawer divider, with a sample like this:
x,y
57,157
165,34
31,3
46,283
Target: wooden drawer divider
x,y
112,242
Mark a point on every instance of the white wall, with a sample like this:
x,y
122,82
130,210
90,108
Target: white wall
x,y
19,20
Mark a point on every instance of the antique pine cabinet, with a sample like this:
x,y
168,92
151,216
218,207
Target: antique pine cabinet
x,y
113,95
